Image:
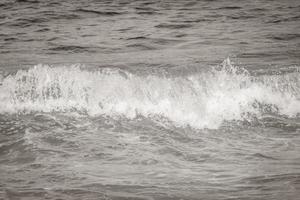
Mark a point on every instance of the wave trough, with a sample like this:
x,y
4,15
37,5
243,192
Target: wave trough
x,y
200,100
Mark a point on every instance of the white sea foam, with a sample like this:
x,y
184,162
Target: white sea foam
x,y
202,100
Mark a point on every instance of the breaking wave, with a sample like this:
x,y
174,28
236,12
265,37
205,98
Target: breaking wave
x,y
200,100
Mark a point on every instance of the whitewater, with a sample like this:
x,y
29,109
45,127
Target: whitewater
x,y
200,100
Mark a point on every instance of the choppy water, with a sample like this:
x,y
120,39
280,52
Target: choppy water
x,y
139,100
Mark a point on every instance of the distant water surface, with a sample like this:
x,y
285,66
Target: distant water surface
x,y
176,33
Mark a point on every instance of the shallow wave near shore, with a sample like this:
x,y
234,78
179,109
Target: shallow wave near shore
x,y
200,100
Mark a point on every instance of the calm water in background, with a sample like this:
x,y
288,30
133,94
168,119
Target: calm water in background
x,y
173,33
136,99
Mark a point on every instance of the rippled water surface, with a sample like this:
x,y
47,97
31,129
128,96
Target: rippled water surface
x,y
149,99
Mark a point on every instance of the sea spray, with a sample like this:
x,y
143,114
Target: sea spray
x,y
201,100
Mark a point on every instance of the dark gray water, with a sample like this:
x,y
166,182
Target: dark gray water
x,y
172,33
149,99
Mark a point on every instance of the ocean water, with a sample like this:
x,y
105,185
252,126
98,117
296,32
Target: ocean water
x,y
149,99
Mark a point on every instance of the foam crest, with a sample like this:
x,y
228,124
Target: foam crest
x,y
202,100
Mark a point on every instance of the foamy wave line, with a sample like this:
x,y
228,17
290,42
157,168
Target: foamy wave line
x,y
202,100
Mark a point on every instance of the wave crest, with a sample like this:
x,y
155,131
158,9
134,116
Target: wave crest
x,y
201,100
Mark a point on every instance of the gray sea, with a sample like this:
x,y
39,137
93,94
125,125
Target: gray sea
x,y
150,99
